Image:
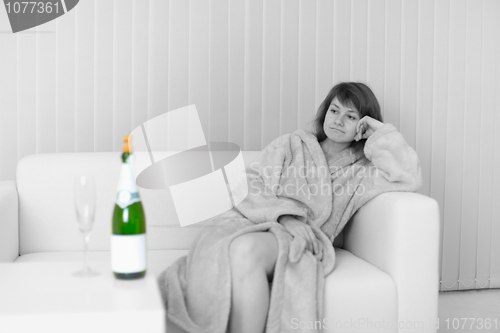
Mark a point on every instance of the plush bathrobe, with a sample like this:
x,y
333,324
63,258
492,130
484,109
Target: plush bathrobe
x,y
291,176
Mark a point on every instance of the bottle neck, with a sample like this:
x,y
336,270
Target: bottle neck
x,y
125,156
127,179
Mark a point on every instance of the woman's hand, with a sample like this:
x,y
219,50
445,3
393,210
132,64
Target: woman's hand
x,y
366,127
321,252
299,229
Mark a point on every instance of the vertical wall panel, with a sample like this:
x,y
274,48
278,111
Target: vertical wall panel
x,y
140,54
103,75
253,73
26,97
495,227
324,50
84,76
289,65
472,126
218,83
409,63
392,62
492,93
158,58
199,60
271,54
424,92
178,65
236,26
46,88
440,107
489,80
65,82
359,43
454,157
341,41
122,71
376,49
8,100
307,63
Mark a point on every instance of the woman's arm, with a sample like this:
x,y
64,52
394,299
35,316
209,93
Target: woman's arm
x,y
397,163
394,164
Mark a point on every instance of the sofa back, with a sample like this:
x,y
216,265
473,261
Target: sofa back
x,y
47,217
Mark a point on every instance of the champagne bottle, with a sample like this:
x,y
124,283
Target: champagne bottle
x,y
128,239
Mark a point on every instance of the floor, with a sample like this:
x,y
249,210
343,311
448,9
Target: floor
x,y
480,307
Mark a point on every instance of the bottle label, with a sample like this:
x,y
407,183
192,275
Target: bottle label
x,y
125,198
128,253
127,193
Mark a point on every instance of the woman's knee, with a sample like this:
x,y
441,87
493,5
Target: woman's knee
x,y
253,252
243,249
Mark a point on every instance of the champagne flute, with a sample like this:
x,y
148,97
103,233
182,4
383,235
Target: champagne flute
x,y
85,202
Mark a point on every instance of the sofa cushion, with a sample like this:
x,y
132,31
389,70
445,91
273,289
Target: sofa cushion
x,y
46,214
157,260
47,218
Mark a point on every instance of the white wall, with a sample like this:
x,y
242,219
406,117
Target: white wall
x,y
256,69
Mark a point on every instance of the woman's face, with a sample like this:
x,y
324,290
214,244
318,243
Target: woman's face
x,y
340,122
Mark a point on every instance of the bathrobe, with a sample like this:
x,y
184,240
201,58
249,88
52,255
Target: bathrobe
x,y
291,176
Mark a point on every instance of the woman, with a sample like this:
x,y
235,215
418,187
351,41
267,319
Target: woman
x,y
302,190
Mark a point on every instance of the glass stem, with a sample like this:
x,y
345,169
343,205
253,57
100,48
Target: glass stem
x,y
86,238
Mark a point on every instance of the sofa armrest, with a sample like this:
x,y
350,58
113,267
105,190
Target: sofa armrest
x,y
399,233
9,234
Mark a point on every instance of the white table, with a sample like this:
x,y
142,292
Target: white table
x,y
45,297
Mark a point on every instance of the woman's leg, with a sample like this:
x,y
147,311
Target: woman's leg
x,y
253,258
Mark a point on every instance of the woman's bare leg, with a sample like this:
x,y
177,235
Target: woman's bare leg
x,y
253,257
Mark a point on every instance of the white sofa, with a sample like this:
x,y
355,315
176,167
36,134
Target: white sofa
x,y
386,275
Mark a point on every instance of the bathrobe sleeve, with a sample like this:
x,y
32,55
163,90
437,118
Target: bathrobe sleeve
x,y
264,202
394,165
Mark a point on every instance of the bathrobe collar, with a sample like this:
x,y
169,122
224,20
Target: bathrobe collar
x,y
343,159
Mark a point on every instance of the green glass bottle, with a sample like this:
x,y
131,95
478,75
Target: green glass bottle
x,y
128,239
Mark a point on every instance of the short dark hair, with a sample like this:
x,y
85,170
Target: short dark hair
x,y
353,94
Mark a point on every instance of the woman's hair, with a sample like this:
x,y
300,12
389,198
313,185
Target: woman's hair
x,y
351,94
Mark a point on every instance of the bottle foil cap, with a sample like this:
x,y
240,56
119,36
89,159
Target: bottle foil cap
x,y
126,147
